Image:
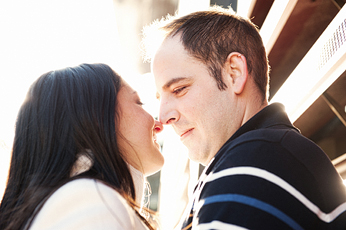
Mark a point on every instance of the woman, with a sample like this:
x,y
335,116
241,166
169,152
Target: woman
x,y
82,145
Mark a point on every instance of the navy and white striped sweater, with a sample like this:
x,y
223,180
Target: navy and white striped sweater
x,y
268,176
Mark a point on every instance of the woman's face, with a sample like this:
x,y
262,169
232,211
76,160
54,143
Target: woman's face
x,y
138,129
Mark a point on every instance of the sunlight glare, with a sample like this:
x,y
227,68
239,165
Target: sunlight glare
x,y
38,36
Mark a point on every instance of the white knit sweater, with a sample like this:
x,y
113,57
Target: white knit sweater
x,y
86,204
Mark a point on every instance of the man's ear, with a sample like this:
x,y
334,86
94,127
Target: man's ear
x,y
236,68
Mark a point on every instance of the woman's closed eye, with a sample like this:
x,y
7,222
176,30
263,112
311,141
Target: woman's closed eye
x,y
139,102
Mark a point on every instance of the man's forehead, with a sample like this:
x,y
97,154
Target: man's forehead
x,y
169,42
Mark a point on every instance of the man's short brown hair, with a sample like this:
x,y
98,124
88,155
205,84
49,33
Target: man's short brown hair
x,y
210,36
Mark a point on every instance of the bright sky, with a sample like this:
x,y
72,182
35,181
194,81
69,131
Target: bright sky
x,y
38,36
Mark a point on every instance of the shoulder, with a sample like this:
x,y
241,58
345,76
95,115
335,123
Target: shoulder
x,y
284,152
252,148
86,204
270,155
271,146
270,175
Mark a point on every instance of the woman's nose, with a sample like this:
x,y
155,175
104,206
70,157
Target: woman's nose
x,y
158,126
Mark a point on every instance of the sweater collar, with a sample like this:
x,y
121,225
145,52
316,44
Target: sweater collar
x,y
273,115
270,116
138,181
84,162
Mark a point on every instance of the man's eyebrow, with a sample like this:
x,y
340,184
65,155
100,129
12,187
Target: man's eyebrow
x,y
171,82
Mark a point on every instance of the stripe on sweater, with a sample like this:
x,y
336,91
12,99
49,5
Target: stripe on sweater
x,y
218,225
253,203
326,217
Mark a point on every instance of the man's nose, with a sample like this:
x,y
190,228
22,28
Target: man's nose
x,y
168,112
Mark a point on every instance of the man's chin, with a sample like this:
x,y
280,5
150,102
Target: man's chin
x,y
196,157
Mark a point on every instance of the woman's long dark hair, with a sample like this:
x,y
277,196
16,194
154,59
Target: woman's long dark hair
x,y
65,112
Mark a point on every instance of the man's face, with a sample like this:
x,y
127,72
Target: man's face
x,y
191,102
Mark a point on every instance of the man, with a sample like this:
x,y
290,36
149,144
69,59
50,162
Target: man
x,y
211,75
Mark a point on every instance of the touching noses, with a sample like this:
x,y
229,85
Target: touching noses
x,y
158,126
167,114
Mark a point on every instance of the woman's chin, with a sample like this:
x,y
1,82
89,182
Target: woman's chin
x,y
159,161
